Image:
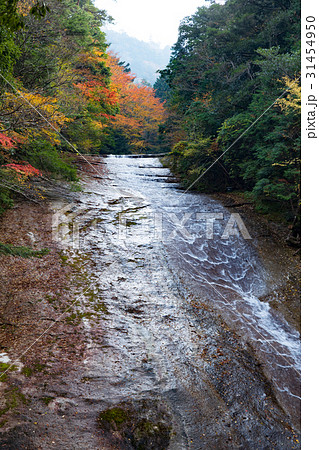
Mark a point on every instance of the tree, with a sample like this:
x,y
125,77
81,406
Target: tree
x,y
44,62
229,64
140,113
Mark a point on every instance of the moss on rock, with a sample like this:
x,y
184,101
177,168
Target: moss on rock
x,y
140,425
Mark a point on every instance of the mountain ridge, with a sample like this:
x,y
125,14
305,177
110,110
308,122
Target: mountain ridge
x,y
144,58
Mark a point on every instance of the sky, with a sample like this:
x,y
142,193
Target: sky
x,y
150,20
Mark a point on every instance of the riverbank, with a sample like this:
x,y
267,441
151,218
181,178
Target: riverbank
x,y
50,314
130,342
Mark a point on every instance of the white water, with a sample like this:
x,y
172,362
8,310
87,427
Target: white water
x,y
164,283
227,271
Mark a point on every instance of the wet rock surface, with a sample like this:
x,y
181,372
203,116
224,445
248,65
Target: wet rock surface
x,y
158,361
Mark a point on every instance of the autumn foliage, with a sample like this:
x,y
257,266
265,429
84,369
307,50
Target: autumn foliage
x,y
140,112
62,91
26,169
68,84
6,141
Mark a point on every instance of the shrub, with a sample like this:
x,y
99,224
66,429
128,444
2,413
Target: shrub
x,y
5,199
47,158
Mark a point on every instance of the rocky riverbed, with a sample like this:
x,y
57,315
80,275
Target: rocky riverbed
x,y
111,345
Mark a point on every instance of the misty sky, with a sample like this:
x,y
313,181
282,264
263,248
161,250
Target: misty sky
x,y
150,20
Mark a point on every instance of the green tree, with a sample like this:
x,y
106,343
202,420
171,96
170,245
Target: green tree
x,y
228,66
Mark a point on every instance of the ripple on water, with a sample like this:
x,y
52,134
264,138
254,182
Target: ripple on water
x,y
226,273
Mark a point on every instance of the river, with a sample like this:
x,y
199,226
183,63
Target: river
x,y
185,328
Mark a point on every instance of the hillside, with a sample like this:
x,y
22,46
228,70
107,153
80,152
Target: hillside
x,y
144,58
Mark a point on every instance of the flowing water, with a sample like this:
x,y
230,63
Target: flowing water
x,y
178,276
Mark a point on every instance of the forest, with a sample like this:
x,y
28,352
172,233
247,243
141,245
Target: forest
x,y
232,90
62,93
226,109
